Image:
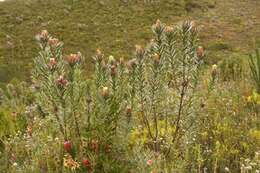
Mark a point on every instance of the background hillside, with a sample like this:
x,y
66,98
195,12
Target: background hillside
x,y
177,105
229,27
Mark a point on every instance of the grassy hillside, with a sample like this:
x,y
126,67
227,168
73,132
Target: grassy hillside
x,y
116,26
168,109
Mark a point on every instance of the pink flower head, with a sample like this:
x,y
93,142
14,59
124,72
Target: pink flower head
x,y
53,41
149,162
73,59
168,29
61,81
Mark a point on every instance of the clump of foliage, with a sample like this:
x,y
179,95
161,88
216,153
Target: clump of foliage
x,y
147,114
254,63
232,69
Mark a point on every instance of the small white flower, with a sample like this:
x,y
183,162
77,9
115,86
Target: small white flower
x,y
15,164
226,169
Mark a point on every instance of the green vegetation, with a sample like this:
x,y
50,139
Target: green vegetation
x,y
102,93
114,26
160,111
254,63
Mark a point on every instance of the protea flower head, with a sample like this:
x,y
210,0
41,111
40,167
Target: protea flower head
x,y
61,81
149,162
67,146
111,60
105,92
156,58
44,34
158,27
53,41
98,52
99,55
168,30
73,59
157,24
200,52
52,63
214,70
86,163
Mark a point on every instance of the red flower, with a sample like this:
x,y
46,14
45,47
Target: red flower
x,y
86,163
67,146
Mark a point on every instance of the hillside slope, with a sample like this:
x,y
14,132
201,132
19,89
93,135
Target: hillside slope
x,y
115,26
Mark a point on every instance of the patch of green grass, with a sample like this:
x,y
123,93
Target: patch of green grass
x,y
113,26
257,43
237,21
219,46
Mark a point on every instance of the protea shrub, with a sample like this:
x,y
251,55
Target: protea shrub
x,y
145,106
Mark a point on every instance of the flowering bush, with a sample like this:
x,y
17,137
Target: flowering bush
x,y
254,64
147,114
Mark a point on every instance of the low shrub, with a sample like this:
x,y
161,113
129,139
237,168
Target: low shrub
x,y
157,112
